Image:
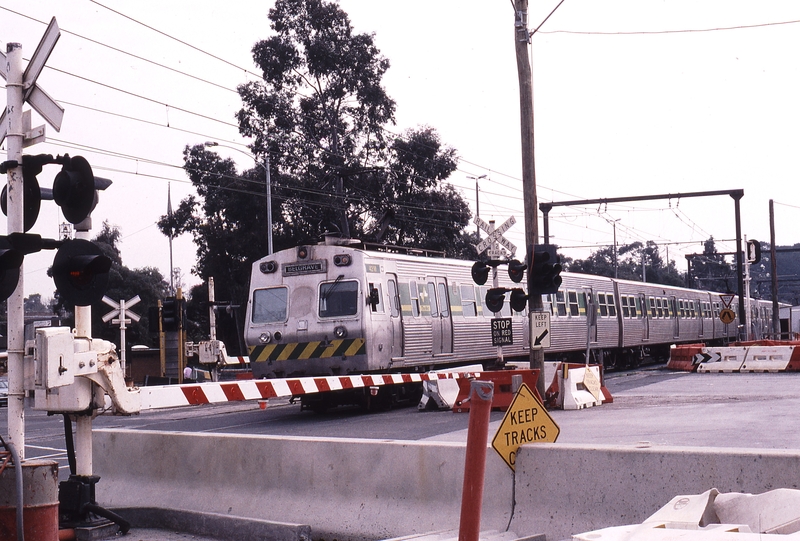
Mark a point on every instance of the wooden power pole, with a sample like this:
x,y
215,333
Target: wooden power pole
x,y
521,41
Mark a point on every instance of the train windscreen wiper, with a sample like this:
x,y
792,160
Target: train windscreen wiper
x,y
332,287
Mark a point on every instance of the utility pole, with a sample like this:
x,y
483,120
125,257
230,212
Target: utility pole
x,y
773,261
531,207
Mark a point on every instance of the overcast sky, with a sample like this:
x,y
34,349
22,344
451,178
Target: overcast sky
x,y
631,98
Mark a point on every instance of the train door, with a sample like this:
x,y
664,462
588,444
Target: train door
x,y
702,314
393,299
591,316
377,324
441,322
676,318
645,311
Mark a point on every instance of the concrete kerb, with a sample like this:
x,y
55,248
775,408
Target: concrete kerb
x,y
566,489
344,488
215,525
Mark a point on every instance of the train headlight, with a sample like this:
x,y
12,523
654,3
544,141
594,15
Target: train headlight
x,y
340,332
302,253
268,267
265,337
342,260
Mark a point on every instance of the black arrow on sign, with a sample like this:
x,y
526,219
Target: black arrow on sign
x,y
538,341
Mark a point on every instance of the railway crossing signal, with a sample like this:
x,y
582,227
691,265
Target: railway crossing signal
x,y
516,270
10,262
80,271
495,298
74,188
480,272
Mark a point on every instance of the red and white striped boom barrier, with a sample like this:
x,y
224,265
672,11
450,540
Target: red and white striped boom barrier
x,y
194,394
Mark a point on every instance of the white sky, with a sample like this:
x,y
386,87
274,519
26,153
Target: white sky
x,y
630,97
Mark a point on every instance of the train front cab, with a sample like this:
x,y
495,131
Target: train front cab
x,y
305,313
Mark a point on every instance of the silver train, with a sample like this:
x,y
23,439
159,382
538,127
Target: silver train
x,y
334,309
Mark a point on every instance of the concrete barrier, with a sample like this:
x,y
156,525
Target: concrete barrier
x,y
568,489
344,488
370,489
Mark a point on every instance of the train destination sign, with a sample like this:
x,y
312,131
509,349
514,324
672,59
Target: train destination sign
x,y
309,267
502,332
526,421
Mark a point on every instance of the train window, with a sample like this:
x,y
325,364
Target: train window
x,y
393,298
414,298
443,300
468,305
624,304
338,298
652,303
561,304
270,305
572,296
632,307
376,293
431,290
612,308
659,307
681,310
601,302
693,309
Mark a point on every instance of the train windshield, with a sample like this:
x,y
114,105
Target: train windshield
x,y
270,305
338,298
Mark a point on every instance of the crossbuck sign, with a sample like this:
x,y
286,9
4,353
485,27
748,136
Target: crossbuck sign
x,y
495,237
46,106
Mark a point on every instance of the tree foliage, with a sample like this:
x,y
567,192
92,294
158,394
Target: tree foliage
x,y
317,121
711,271
320,114
635,261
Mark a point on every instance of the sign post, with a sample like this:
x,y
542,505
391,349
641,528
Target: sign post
x,y
21,87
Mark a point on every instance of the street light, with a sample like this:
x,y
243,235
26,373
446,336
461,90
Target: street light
x,y
269,187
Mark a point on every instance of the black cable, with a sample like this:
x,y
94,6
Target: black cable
x,y
70,443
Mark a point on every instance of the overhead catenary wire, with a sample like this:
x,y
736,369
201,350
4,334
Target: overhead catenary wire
x,y
461,160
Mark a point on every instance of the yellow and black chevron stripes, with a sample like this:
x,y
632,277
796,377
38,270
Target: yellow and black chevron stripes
x,y
308,350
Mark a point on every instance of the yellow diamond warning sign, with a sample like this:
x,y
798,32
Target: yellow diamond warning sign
x,y
526,421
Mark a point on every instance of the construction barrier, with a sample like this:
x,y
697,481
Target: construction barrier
x,y
715,517
682,357
750,358
503,388
754,356
577,386
441,394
